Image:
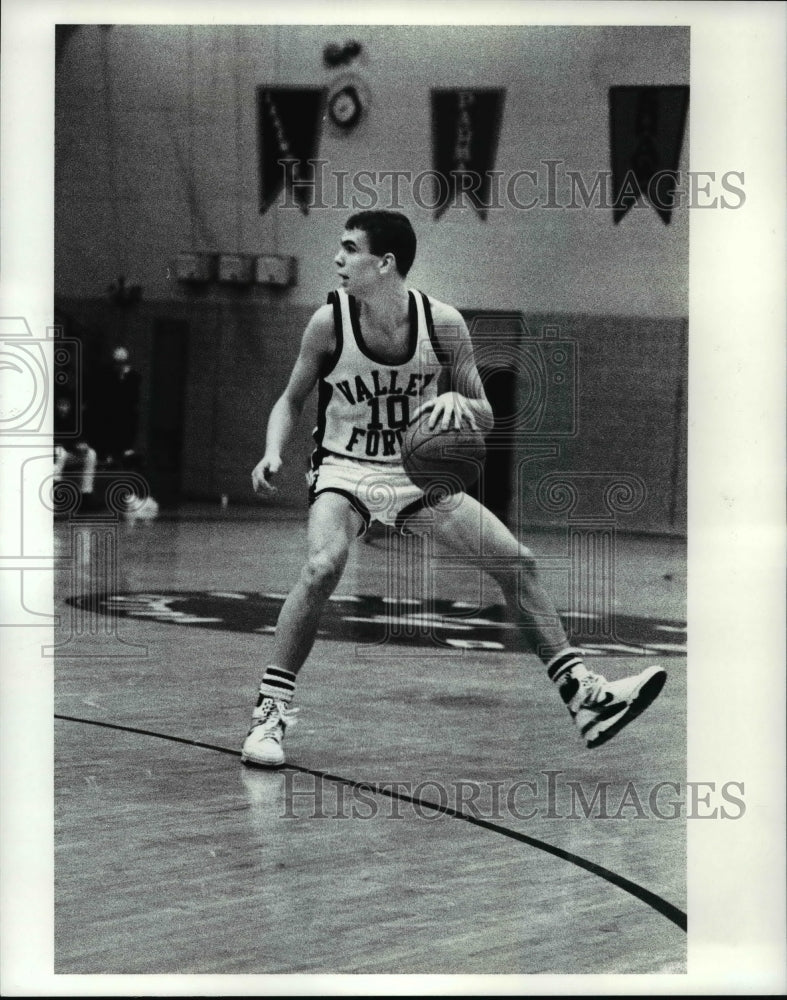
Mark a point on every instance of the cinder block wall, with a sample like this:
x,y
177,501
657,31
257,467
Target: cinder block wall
x,y
156,152
630,404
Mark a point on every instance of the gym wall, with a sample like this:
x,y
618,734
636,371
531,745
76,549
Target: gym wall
x,y
156,153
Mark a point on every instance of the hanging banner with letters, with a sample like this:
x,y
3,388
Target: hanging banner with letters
x,y
646,135
465,133
289,121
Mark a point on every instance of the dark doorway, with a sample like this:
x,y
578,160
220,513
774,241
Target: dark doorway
x,y
168,369
495,490
492,329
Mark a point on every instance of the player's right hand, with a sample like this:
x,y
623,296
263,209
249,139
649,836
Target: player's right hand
x,y
263,473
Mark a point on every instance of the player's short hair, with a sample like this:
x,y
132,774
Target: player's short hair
x,y
388,232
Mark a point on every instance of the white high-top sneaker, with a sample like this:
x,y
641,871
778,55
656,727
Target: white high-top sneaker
x,y
263,746
601,708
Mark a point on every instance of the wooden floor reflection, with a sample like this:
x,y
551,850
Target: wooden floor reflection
x,y
171,857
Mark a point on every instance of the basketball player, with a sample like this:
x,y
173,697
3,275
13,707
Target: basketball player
x,y
379,352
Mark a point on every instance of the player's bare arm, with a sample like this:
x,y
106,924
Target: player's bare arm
x,y
317,345
466,401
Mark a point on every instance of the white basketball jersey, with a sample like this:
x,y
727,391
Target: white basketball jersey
x,y
365,403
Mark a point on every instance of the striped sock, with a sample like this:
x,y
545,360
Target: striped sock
x,y
565,669
276,683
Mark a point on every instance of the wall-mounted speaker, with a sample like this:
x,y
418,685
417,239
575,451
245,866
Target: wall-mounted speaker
x,y
195,268
235,269
273,269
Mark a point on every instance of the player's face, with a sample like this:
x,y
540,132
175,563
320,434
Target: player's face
x,y
358,267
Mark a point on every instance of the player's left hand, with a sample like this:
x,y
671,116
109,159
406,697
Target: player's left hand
x,y
449,410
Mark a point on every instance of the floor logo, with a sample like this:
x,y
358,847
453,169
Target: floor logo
x,y
371,619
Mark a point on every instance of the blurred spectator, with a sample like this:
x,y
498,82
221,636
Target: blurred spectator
x,y
114,417
114,411
73,454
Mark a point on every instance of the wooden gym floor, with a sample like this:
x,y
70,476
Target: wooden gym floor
x,y
172,858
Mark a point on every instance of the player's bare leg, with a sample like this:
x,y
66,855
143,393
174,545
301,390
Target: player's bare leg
x,y
599,707
463,526
333,525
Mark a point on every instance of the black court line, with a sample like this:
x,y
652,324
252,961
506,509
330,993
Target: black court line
x,y
660,905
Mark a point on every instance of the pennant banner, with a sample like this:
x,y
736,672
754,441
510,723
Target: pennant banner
x,y
289,128
465,132
646,135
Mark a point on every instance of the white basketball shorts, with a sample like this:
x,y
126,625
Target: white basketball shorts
x,y
377,490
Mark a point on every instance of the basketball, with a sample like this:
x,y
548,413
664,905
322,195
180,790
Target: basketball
x,y
451,459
